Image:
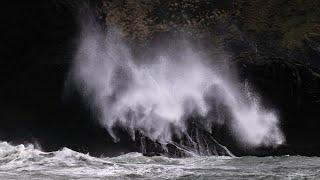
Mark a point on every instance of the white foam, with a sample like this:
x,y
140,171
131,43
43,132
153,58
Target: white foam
x,y
21,161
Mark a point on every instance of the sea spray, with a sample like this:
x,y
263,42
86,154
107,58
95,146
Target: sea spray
x,y
156,97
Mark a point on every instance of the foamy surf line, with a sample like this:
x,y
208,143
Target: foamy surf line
x,y
26,162
21,159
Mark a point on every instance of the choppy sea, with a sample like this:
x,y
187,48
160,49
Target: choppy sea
x,y
26,162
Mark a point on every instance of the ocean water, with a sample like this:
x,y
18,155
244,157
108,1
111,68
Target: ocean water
x,y
26,162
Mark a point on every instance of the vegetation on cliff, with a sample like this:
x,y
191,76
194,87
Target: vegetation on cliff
x,y
289,29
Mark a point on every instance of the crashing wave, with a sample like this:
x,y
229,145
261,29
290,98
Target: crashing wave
x,y
172,98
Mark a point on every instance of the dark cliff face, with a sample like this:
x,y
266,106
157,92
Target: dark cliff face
x,y
293,89
276,49
39,40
